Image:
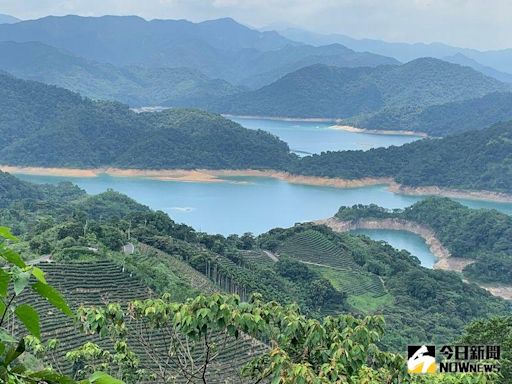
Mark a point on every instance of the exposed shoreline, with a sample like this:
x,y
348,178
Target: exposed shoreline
x,y
386,132
336,126
444,259
281,118
218,175
436,247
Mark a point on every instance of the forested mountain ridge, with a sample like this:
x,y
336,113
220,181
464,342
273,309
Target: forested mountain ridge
x,y
219,48
442,119
331,92
135,86
473,160
49,126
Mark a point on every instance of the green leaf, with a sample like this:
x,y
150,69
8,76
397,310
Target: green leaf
x,y
6,234
30,318
14,353
103,378
49,376
6,337
4,282
12,257
38,273
53,296
21,279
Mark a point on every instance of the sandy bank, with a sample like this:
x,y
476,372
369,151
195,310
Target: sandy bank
x,y
197,175
219,175
281,118
448,192
349,128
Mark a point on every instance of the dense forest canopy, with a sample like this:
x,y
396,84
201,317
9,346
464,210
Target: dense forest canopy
x,y
474,160
49,126
333,92
443,119
480,234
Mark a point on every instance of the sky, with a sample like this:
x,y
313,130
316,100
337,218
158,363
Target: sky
x,y
480,24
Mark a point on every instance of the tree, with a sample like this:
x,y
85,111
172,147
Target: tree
x,y
335,349
14,279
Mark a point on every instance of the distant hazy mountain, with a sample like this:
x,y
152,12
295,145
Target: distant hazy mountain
x,y
50,126
459,58
219,48
324,91
136,86
272,65
444,119
500,60
7,19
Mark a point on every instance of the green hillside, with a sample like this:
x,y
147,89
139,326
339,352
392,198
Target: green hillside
x,y
474,160
331,92
380,279
321,271
477,234
49,126
135,86
444,119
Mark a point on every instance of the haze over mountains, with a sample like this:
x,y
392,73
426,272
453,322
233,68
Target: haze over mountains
x,y
219,48
223,66
499,60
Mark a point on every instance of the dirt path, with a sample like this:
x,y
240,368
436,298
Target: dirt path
x,y
271,255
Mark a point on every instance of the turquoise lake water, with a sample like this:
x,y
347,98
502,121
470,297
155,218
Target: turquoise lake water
x,y
402,240
255,204
306,137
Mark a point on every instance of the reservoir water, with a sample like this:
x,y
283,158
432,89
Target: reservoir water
x,y
311,137
256,204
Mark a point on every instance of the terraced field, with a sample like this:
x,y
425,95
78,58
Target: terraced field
x,y
258,257
98,283
365,290
314,247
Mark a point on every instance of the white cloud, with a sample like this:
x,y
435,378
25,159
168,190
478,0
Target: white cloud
x,y
470,23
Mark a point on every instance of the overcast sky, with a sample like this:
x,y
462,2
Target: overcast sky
x,y
482,24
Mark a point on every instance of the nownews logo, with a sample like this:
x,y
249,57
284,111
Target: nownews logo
x,y
455,359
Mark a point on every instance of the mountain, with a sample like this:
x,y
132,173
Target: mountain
x,y
460,59
443,119
50,126
218,48
499,60
332,92
269,66
7,19
473,160
136,86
